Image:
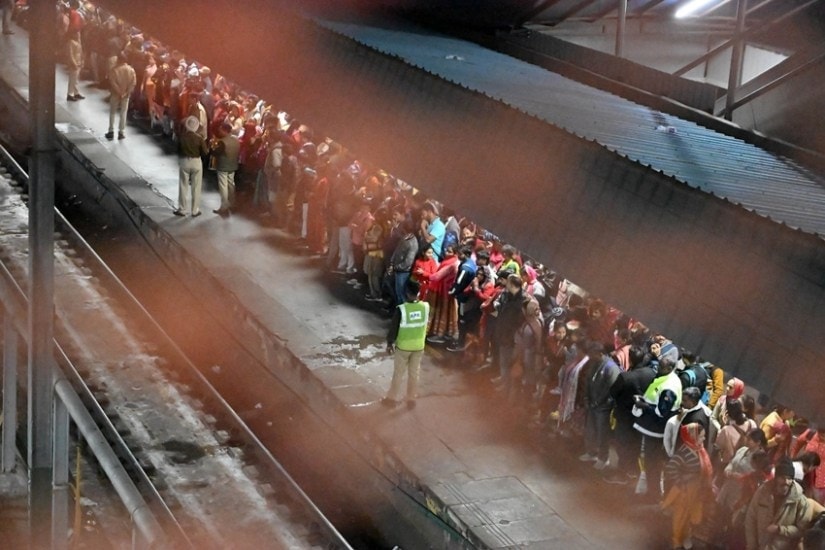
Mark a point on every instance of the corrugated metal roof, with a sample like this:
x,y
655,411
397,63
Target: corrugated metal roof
x,y
760,181
559,11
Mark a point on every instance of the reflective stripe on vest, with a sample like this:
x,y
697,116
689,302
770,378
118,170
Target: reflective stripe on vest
x,y
412,332
669,382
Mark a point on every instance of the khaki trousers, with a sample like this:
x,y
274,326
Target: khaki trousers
x,y
190,181
118,106
409,363
74,72
226,189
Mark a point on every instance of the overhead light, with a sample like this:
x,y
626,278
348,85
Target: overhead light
x,y
692,7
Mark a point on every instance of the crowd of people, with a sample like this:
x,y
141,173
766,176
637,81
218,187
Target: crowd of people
x,y
645,413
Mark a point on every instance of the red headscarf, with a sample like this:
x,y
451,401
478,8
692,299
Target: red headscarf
x,y
690,437
737,390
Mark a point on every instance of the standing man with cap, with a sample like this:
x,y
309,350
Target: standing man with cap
x,y
776,513
122,80
192,149
405,341
227,151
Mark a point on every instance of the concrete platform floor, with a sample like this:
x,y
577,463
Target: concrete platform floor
x,y
506,486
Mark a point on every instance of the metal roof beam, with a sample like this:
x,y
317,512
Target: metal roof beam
x,y
540,7
759,6
650,5
601,14
753,31
712,9
768,86
575,9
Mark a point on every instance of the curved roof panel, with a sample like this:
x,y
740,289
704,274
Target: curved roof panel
x,y
760,181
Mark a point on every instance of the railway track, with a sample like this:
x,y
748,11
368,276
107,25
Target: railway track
x,y
206,477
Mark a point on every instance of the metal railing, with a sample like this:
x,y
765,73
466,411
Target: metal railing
x,y
15,304
103,440
200,384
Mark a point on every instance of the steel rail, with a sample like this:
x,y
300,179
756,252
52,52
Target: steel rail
x,y
142,517
260,451
92,420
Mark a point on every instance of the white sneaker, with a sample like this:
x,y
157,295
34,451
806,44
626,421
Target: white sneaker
x,y
352,281
587,457
601,464
641,484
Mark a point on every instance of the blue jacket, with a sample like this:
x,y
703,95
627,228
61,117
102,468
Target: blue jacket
x,y
464,278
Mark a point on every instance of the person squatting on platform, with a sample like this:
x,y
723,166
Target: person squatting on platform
x,y
192,149
405,341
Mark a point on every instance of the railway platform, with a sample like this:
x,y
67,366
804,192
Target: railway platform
x,y
463,457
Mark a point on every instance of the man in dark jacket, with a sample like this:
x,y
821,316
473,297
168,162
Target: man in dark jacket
x,y
602,372
628,441
402,260
509,316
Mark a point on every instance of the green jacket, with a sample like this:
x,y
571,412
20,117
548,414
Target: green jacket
x,y
790,518
227,154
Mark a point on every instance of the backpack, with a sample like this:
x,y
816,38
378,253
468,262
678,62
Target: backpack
x,y
450,238
709,369
694,376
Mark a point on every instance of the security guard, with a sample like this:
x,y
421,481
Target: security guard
x,y
405,341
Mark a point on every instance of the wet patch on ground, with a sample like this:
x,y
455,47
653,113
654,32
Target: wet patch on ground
x,y
350,352
183,452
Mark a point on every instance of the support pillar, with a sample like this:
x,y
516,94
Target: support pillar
x,y
60,481
737,58
621,23
41,271
10,341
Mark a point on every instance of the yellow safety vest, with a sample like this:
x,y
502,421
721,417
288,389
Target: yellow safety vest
x,y
412,332
669,382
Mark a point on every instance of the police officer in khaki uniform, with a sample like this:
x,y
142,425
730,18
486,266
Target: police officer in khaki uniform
x,y
405,341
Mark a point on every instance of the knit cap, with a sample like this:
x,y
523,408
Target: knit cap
x,y
784,468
